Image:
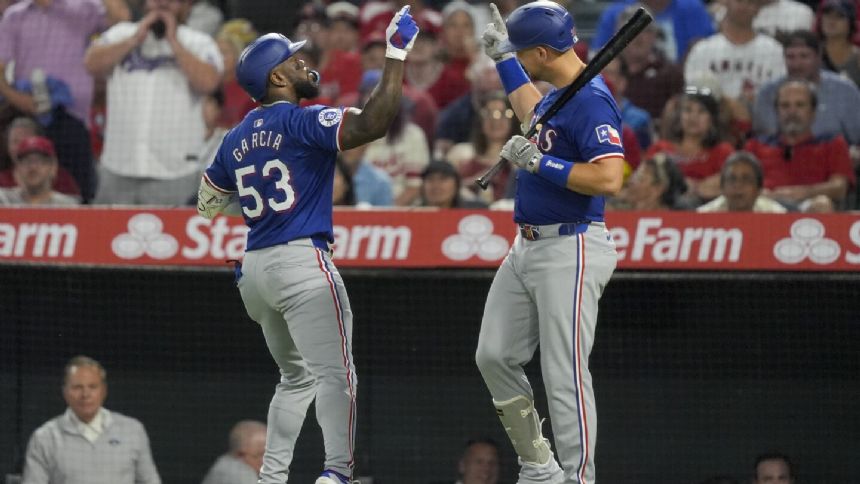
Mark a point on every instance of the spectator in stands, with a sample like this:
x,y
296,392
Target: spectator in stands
x,y
340,58
19,129
372,185
440,187
801,169
737,59
232,39
244,458
489,132
403,152
836,27
695,144
741,185
682,21
657,184
615,75
213,106
479,463
652,79
48,38
34,172
773,469
116,446
343,193
456,120
158,73
457,49
839,98
205,17
779,17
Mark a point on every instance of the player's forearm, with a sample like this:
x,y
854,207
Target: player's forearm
x,y
601,177
523,101
101,59
203,77
384,102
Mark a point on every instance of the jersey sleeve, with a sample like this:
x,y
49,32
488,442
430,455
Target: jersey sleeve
x,y
218,176
597,128
319,127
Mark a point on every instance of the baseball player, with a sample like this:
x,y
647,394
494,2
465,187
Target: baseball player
x,y
276,169
546,290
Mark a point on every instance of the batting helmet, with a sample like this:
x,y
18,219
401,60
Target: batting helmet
x,y
258,60
540,23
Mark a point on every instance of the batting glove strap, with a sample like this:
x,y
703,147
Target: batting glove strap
x,y
554,169
512,74
400,35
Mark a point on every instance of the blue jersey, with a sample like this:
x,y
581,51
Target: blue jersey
x,y
585,129
280,161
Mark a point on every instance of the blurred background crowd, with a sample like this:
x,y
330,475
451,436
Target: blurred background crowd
x,y
732,105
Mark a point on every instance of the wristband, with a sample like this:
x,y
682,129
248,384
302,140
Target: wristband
x,y
512,74
554,169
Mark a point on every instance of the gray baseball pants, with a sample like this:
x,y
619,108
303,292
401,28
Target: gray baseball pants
x,y
297,296
546,293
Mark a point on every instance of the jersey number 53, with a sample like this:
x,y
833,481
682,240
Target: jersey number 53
x,y
282,184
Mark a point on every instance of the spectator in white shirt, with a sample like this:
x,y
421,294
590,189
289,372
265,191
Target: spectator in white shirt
x,y
158,72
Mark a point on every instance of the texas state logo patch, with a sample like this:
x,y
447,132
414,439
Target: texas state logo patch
x,y
330,117
608,135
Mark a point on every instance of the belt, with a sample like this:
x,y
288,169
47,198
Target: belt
x,y
537,232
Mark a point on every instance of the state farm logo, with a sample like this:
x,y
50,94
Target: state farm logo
x,y
807,240
145,236
475,237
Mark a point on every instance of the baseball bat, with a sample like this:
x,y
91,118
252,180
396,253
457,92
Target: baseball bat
x,y
616,44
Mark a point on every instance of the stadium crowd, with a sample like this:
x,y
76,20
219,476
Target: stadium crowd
x,y
738,105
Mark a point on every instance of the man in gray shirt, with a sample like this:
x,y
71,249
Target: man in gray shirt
x,y
89,444
241,464
34,170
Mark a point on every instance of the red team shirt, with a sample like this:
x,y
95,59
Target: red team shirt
x,y
811,161
708,162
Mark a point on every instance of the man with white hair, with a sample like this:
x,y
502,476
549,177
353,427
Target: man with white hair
x,y
244,458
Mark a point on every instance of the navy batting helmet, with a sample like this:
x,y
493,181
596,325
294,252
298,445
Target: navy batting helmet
x,y
540,23
258,60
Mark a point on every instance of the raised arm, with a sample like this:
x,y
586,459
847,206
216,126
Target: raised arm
x,y
373,121
522,93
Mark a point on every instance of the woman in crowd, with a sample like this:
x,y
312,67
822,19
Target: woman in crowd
x,y
493,127
694,142
836,27
657,184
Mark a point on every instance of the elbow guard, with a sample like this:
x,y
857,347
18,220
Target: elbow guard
x,y
211,201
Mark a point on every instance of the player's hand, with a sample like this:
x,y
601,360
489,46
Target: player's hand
x,y
495,34
400,35
523,153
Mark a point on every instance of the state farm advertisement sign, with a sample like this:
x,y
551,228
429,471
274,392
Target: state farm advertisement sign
x,y
432,238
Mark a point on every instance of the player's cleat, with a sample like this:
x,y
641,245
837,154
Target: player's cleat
x,y
549,473
332,477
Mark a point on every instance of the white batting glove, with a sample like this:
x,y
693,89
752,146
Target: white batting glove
x,y
400,35
523,153
495,34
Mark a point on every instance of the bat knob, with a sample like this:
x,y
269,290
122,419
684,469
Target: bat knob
x,y
481,182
